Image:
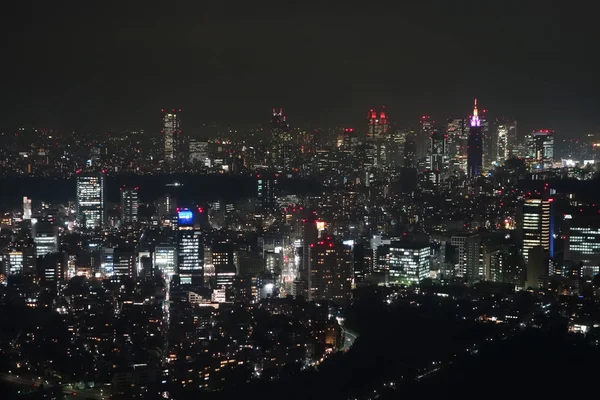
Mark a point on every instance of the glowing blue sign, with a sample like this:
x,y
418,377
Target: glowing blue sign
x,y
185,217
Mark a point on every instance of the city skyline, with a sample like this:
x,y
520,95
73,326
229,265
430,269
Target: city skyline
x,y
326,69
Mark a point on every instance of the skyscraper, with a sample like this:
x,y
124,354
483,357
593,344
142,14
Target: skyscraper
x,y
506,139
438,156
422,139
90,199
26,208
45,238
129,206
377,125
190,250
281,137
540,150
536,225
222,256
330,273
171,131
474,145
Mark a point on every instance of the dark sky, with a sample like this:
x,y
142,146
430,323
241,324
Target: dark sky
x,y
103,64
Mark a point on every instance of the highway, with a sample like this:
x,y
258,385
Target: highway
x,y
30,382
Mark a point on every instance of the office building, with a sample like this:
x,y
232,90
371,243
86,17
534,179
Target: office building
x,y
582,239
536,225
90,199
223,262
129,206
437,159
165,260
330,274
409,262
124,263
506,139
540,150
16,262
190,250
171,131
45,238
26,208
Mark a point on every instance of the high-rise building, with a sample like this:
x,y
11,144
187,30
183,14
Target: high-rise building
x,y
45,238
378,125
281,137
266,189
410,150
540,150
474,146
536,225
129,206
422,138
16,262
458,133
171,131
190,250
409,261
90,199
165,259
330,273
26,208
199,152
582,241
506,139
124,263
488,142
222,258
437,159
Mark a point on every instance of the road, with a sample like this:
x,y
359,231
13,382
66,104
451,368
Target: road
x,y
347,336
30,382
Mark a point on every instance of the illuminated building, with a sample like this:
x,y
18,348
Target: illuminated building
x,y
26,208
171,131
52,268
190,250
45,238
266,188
423,137
15,262
330,274
536,225
437,162
129,206
409,262
378,126
470,256
222,258
582,242
90,200
506,140
165,259
410,150
474,146
199,153
540,150
457,131
124,263
281,137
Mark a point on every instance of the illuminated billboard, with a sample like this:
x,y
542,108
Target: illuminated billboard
x,y
185,217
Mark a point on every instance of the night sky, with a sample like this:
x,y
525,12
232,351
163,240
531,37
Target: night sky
x,y
104,65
